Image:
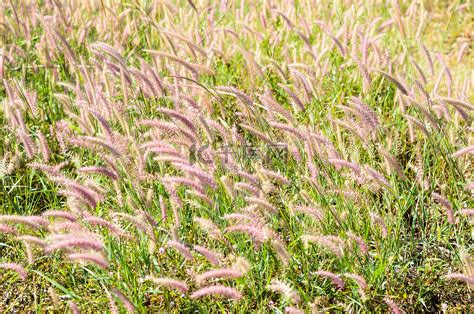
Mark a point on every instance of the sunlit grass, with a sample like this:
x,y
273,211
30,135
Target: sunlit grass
x,y
265,158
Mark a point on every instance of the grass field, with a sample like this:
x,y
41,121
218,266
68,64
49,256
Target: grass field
x,y
236,156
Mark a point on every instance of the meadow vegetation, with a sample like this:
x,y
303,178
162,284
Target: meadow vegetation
x,y
236,156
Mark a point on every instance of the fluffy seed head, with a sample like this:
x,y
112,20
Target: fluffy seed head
x,y
228,292
16,268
